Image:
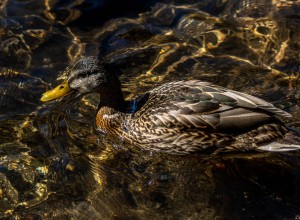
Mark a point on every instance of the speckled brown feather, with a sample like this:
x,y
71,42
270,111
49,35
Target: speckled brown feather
x,y
189,116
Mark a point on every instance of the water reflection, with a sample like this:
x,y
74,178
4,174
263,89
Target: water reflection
x,y
54,165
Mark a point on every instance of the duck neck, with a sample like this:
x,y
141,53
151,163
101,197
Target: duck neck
x,y
111,96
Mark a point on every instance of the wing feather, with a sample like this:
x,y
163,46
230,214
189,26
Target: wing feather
x,y
197,104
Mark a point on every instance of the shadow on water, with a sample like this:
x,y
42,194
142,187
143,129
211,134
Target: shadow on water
x,y
54,165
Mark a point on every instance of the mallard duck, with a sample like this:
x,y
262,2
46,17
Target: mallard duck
x,y
179,117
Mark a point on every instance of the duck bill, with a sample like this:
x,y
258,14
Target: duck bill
x,y
56,93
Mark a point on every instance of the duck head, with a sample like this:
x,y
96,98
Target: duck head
x,y
89,74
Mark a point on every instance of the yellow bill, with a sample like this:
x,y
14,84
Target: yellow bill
x,y
58,92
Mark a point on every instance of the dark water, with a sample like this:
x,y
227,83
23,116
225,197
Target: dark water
x,y
53,165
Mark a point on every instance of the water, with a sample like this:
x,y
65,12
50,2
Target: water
x,y
54,165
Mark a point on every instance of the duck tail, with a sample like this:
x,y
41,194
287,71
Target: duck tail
x,y
290,142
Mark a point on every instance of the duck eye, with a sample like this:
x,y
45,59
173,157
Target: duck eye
x,y
61,87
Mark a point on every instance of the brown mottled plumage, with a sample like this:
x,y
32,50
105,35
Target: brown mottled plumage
x,y
182,117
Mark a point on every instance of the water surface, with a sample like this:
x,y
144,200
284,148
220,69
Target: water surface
x,y
54,165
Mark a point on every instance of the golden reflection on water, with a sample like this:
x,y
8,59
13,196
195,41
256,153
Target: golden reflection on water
x,y
54,165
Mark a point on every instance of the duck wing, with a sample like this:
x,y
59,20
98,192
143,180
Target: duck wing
x,y
195,104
